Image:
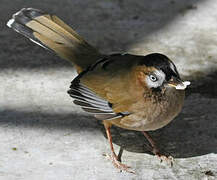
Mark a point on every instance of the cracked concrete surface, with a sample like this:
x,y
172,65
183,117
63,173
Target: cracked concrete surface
x,y
44,136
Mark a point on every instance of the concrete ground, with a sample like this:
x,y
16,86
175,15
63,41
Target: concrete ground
x,y
44,136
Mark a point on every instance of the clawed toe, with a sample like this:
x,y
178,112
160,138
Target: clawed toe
x,y
118,164
167,159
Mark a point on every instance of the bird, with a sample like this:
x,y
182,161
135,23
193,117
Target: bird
x,y
135,92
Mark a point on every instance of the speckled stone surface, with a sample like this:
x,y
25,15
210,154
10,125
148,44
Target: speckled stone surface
x,y
44,136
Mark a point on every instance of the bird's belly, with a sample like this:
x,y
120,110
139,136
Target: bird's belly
x,y
154,115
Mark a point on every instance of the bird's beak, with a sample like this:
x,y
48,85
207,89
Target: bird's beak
x,y
177,83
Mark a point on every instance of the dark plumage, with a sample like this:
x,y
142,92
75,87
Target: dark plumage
x,y
161,62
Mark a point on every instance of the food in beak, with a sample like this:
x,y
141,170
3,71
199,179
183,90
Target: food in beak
x,y
182,85
178,83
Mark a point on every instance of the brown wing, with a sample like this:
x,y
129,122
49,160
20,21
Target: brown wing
x,y
91,102
112,79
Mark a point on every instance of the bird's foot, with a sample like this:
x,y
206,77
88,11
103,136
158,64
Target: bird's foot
x,y
117,164
156,152
164,158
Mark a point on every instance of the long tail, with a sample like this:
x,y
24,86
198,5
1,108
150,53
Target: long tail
x,y
52,33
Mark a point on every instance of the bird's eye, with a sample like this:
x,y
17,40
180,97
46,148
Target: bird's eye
x,y
153,78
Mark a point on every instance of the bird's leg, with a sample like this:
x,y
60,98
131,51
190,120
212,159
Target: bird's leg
x,y
113,157
156,151
120,153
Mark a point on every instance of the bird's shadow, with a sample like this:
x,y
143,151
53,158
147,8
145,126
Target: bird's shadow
x,y
192,133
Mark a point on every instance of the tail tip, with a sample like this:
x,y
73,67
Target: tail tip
x,y
10,22
24,15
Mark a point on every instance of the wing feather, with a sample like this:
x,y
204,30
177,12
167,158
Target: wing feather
x,y
91,102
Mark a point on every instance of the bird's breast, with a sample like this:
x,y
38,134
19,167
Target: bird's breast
x,y
151,113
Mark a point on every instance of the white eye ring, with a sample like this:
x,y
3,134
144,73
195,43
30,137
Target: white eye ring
x,y
153,78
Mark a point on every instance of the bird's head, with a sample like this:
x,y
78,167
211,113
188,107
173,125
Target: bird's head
x,y
157,71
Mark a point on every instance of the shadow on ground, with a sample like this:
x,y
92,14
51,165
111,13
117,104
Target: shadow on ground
x,y
205,85
47,120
